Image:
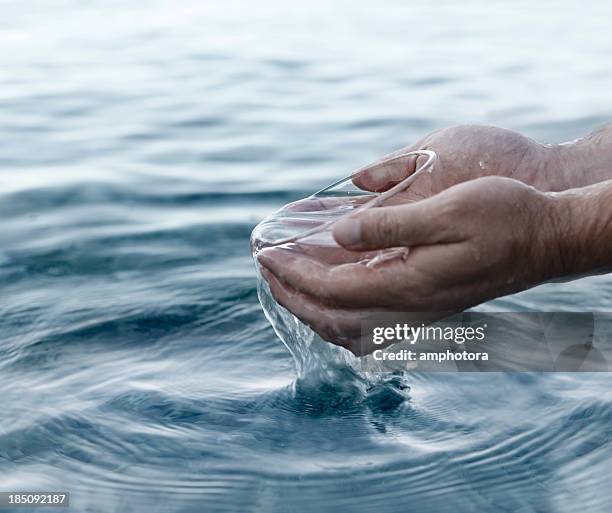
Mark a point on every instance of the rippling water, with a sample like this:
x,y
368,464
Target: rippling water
x,y
140,144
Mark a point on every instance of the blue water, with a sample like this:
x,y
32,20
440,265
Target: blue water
x,y
140,142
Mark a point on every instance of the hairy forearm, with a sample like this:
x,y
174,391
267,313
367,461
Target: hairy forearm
x,y
583,222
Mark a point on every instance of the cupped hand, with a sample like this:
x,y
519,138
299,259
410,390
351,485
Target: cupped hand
x,y
472,242
467,152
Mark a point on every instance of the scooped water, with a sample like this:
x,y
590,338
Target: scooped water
x,y
309,351
319,364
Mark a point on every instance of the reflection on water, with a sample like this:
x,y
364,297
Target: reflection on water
x,y
143,141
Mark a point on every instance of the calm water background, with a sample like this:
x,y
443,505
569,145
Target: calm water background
x,y
140,142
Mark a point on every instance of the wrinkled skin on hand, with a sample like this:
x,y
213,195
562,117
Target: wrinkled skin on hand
x,y
468,152
470,243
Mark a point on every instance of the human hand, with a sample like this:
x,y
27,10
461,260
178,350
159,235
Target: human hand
x,y
470,243
467,152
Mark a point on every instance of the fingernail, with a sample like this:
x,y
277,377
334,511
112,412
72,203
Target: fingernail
x,y
265,273
265,256
348,231
273,257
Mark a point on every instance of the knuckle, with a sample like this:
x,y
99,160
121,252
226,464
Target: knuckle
x,y
384,229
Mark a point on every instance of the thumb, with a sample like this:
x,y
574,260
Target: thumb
x,y
415,224
384,174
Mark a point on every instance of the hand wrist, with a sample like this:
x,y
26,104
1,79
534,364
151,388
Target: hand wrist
x,y
548,167
566,240
581,223
585,161
574,160
564,166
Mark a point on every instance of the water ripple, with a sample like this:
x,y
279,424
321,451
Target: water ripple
x,y
142,142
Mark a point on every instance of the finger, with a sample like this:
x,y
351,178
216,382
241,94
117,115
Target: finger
x,y
418,223
421,188
322,203
333,255
340,327
350,285
382,175
444,278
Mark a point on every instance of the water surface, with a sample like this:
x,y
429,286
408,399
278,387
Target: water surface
x,y
140,144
